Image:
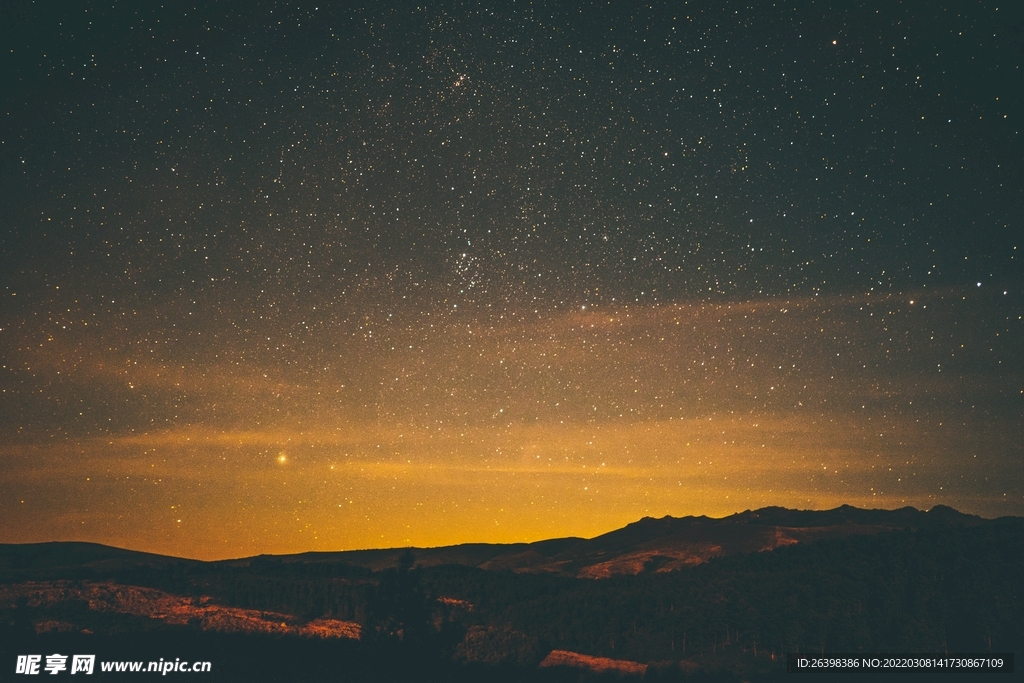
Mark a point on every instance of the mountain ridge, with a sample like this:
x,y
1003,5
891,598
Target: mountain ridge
x,y
692,594
658,544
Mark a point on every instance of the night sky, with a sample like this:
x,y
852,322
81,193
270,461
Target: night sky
x,y
284,276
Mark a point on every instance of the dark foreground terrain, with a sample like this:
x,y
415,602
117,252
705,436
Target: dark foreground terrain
x,y
844,580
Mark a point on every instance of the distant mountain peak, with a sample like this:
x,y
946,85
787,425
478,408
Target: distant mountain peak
x,y
946,511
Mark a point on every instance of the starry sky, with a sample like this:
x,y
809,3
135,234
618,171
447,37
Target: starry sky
x,y
288,276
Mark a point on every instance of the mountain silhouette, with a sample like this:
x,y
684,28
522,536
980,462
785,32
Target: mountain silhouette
x,y
659,598
656,544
